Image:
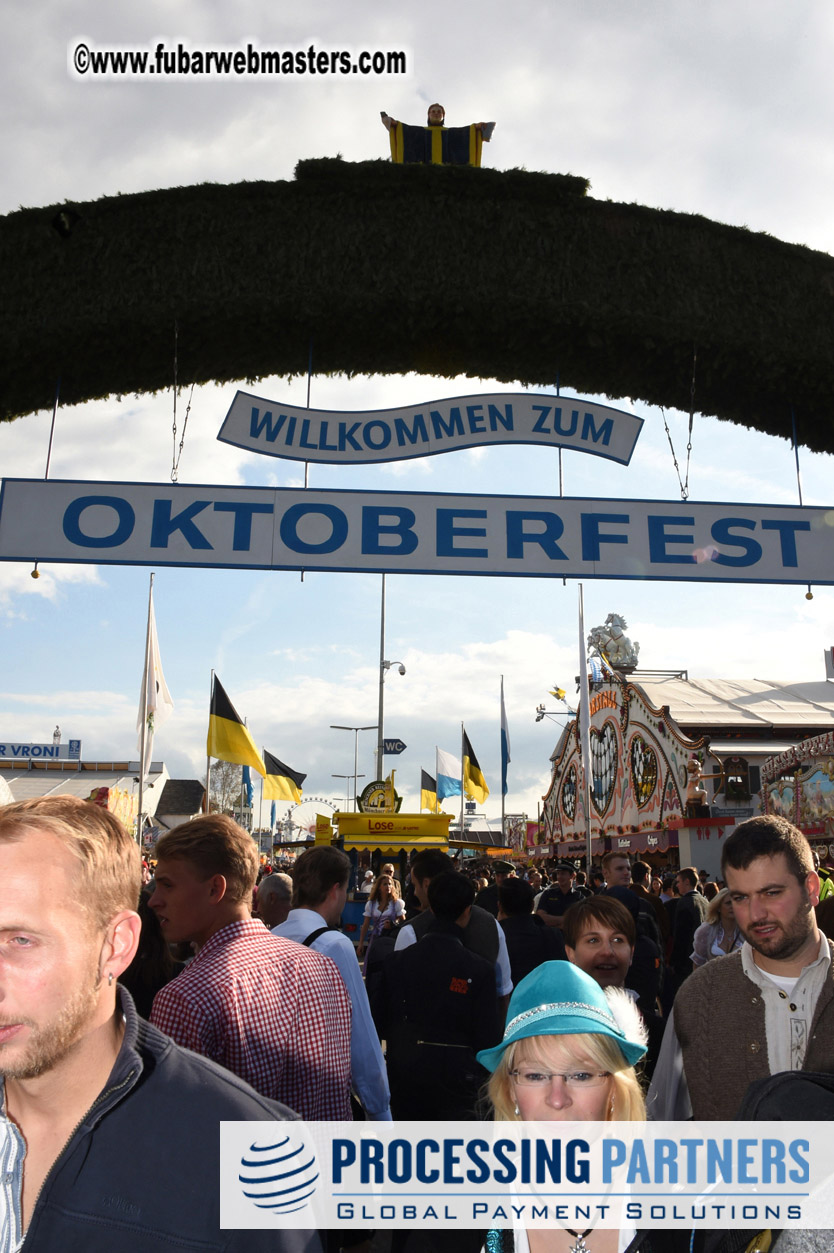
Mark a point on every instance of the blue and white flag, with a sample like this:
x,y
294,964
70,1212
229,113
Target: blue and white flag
x,y
505,742
448,775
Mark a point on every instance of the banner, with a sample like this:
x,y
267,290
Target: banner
x,y
354,438
690,1176
412,532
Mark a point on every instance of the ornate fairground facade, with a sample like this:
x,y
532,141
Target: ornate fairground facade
x,y
799,785
639,775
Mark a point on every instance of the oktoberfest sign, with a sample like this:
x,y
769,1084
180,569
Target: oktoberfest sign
x,y
376,435
412,532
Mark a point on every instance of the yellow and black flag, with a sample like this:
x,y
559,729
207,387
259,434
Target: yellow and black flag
x,y
281,783
428,792
474,783
228,737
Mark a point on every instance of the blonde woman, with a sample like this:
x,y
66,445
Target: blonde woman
x,y
718,935
382,912
568,1054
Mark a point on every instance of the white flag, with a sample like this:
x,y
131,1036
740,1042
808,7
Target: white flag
x,y
155,704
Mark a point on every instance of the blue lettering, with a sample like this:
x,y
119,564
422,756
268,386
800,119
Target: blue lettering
x,y
343,1154
386,434
722,534
795,1148
658,539
538,425
665,1161
773,1161
164,525
787,536
638,1164
474,1149
417,432
505,418
475,414
305,431
244,512
347,436
373,528
551,528
558,429
273,426
371,1157
423,1173
399,1161
290,430
591,537
577,1169
502,1151
604,433
450,1160
323,444
453,427
446,532
124,527
289,528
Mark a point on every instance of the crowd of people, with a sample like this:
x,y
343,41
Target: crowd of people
x,y
619,995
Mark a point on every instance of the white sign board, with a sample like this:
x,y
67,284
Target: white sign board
x,y
412,532
70,751
357,437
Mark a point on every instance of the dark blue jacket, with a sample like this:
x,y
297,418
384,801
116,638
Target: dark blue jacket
x,y
141,1172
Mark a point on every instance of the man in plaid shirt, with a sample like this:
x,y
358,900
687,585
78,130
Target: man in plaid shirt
x,y
273,1012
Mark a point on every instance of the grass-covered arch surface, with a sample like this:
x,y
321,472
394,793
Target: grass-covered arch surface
x,y
442,270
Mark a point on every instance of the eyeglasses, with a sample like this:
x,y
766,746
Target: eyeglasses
x,y
528,1077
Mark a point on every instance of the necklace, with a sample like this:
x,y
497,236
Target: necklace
x,y
580,1246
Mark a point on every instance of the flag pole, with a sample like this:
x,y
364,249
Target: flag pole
x,y
143,747
585,729
461,779
208,755
503,772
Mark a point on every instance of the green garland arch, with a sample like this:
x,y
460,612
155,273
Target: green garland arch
x,y
373,268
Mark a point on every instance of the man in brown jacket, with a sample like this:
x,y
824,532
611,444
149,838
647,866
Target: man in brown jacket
x,y
768,1007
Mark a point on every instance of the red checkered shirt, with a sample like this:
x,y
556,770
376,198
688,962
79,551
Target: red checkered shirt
x,y
273,1012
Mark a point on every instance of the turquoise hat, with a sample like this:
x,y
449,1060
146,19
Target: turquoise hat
x,y
557,998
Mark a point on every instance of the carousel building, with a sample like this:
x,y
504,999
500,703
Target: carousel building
x,y
660,738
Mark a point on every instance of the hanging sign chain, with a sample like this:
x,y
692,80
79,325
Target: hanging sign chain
x,y
177,453
684,483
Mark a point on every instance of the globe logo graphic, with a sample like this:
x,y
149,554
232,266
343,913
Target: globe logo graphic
x,y
279,1176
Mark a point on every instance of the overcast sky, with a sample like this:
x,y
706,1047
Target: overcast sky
x,y
719,109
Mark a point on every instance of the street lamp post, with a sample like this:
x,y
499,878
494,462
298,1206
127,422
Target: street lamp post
x,y
383,666
355,778
335,727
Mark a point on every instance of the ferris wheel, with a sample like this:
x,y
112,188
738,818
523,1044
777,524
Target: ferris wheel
x,y
302,817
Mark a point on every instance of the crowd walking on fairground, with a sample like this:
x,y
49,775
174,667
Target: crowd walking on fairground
x,y
140,1007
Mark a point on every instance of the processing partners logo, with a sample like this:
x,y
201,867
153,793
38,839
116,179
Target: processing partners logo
x,y
279,1175
480,1176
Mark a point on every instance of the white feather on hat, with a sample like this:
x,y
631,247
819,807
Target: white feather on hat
x,y
627,1016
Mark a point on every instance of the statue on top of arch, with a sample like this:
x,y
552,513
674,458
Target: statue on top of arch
x,y
613,645
435,143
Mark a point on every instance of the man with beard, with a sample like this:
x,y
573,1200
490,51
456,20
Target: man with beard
x,y
768,1007
87,1088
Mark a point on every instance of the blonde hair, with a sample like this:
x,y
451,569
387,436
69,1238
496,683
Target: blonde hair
x,y
393,892
714,907
109,870
628,1102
